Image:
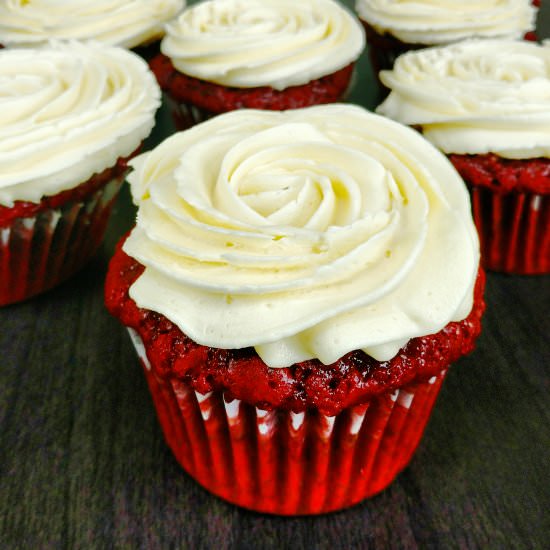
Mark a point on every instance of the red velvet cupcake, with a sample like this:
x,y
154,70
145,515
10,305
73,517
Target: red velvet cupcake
x,y
222,55
487,105
395,27
297,286
71,116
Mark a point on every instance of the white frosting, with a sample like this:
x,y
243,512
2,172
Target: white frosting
x,y
249,43
475,97
125,23
429,22
305,233
67,112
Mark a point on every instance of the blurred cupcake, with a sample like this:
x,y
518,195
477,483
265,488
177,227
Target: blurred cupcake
x,y
126,23
487,106
222,55
296,286
396,26
71,116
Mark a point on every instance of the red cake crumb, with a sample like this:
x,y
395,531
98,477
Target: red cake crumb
x,y
25,209
504,175
216,98
241,374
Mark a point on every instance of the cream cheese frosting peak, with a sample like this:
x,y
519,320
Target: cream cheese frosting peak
x,y
68,111
306,234
429,22
250,43
475,97
125,23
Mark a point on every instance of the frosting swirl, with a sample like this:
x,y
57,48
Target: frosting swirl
x,y
475,97
305,233
126,23
67,112
249,43
429,22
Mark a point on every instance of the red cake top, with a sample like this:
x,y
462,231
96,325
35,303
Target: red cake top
x,y
216,98
26,209
504,175
241,374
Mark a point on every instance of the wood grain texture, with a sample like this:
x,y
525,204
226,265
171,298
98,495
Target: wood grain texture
x,y
83,463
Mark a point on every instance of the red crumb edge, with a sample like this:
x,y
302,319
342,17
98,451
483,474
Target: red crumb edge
x,y
26,209
241,374
219,99
504,175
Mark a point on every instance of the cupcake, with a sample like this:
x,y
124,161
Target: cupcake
x,y
222,55
487,106
396,26
296,286
124,23
72,114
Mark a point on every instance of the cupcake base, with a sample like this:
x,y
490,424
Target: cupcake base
x,y
288,463
511,210
43,244
188,94
513,230
185,115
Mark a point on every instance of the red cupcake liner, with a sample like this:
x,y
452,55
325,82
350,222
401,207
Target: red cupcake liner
x,y
514,230
39,251
185,115
288,463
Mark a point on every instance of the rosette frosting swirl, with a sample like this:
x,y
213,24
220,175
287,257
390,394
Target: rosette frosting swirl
x,y
126,23
429,22
249,43
68,111
475,97
305,233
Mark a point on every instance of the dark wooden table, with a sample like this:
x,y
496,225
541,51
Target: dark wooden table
x,y
83,463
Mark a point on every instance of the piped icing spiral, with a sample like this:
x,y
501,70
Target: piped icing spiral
x,y
475,97
249,43
429,22
305,233
126,23
68,111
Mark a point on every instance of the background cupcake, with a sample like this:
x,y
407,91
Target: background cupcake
x,y
71,116
124,23
395,26
222,55
297,285
487,105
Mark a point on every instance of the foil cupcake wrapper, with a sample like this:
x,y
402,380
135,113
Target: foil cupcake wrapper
x,y
514,230
289,463
39,252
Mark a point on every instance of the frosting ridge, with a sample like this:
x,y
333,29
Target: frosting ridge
x,y
428,22
306,233
69,111
250,43
475,97
125,23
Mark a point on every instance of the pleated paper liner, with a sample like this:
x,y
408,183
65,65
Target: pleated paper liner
x,y
288,463
186,115
514,230
40,251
